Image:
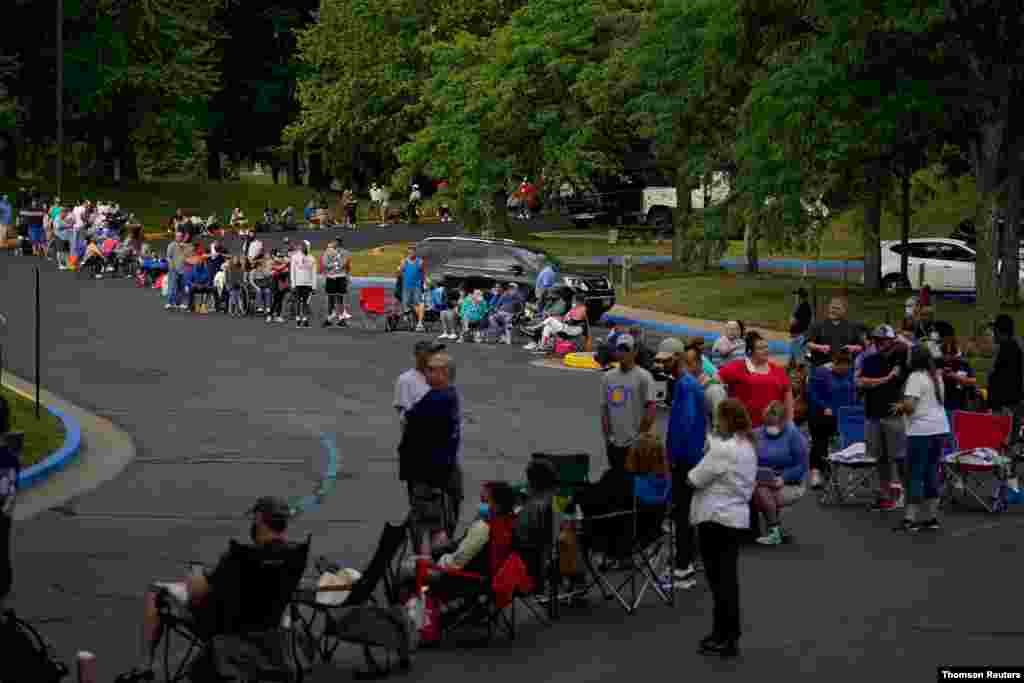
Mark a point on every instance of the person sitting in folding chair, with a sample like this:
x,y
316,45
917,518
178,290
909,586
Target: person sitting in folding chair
x,y
496,510
781,469
198,599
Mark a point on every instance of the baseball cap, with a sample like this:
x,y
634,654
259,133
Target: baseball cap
x,y
272,507
883,332
668,348
428,347
625,342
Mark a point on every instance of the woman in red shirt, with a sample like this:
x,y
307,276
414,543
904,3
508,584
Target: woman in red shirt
x,y
756,381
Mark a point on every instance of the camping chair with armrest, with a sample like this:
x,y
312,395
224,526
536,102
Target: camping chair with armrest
x,y
362,618
581,338
852,472
636,540
243,635
981,441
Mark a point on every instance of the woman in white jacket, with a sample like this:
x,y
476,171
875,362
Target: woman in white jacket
x,y
303,280
724,482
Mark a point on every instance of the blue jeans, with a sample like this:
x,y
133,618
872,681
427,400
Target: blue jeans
x,y
923,455
174,287
797,350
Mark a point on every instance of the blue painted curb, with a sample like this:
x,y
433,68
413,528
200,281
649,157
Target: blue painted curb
x,y
58,460
372,281
326,485
774,347
731,263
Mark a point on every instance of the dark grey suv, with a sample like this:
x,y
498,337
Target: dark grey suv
x,y
472,262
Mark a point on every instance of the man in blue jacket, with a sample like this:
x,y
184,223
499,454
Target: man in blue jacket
x,y
687,431
429,451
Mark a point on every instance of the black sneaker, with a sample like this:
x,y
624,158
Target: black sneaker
x,y
906,526
328,323
928,525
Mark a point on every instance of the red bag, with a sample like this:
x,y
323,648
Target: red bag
x,y
564,347
430,632
512,578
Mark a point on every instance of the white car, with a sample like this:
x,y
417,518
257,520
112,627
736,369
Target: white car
x,y
947,265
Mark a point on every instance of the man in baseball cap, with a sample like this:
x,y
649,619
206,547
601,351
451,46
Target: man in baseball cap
x,y
412,385
628,403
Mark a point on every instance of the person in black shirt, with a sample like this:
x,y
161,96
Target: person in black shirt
x,y
833,334
799,323
1005,390
881,378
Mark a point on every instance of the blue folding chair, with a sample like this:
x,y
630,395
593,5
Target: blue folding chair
x,y
848,480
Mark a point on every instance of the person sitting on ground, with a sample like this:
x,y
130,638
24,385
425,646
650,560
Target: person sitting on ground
x,y
571,324
830,389
781,469
473,312
730,346
195,597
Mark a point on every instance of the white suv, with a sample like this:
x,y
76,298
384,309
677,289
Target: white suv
x,y
948,264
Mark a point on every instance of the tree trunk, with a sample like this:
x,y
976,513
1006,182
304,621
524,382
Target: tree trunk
x,y
316,171
986,152
750,246
128,159
275,172
8,155
214,171
293,169
1010,240
681,218
873,229
905,232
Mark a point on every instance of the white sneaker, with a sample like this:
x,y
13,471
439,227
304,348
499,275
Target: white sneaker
x,y
278,319
477,338
532,346
507,339
346,316
419,328
442,337
182,307
901,499
270,318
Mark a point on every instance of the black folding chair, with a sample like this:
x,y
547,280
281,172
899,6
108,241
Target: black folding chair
x,y
634,545
362,619
248,604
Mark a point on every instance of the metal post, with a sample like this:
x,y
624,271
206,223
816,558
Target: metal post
x,y
611,272
38,308
920,276
60,98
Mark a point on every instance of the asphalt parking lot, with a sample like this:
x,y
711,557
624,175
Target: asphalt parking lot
x,y
225,410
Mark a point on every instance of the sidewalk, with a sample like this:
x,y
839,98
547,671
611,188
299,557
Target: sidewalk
x,y
682,327
105,451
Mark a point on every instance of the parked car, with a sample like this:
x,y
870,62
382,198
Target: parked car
x,y
948,264
480,263
643,197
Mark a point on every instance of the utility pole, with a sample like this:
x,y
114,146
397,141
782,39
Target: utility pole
x,y
60,98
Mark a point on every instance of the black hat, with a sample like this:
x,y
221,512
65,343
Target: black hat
x,y
801,292
273,508
428,347
1003,324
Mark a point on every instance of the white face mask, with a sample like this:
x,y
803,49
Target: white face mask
x,y
773,431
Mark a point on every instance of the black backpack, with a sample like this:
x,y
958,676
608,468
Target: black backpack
x,y
27,657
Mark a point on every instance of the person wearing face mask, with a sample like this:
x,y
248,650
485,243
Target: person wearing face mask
x,y
494,524
781,469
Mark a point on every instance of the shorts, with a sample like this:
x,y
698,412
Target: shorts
x,y
885,440
37,235
337,285
412,296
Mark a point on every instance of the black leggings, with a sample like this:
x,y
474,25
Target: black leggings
x,y
278,302
823,428
302,294
719,547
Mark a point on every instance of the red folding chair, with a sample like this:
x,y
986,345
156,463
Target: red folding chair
x,y
377,303
981,441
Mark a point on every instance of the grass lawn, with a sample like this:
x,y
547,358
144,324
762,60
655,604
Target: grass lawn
x,y
155,202
42,437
